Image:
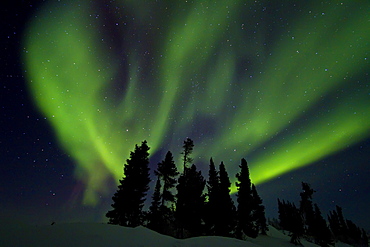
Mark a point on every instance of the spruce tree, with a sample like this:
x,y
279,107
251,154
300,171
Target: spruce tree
x,y
129,199
155,215
259,212
291,220
220,209
321,230
282,215
188,149
334,223
212,207
226,217
345,230
168,173
190,203
364,238
354,233
296,224
306,207
246,222
338,224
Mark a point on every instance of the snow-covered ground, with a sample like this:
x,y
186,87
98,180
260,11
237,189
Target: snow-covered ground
x,y
100,234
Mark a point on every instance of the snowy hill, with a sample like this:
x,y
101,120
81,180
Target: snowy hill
x,y
95,234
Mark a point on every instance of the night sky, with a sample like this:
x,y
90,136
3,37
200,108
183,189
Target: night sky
x,y
284,84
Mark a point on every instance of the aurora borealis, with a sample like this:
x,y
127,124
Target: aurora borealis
x,y
283,84
241,78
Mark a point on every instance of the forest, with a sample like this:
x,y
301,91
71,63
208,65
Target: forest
x,y
187,205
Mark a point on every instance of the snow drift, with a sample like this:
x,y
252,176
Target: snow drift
x,y
101,234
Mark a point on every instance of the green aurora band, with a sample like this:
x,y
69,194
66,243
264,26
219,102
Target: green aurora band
x,y
277,119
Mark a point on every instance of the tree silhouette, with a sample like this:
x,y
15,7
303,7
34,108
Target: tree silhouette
x,y
306,207
259,212
246,222
190,202
283,215
297,229
226,217
338,224
187,214
364,239
345,230
188,149
212,207
291,220
220,209
320,229
155,215
308,221
168,173
334,224
129,199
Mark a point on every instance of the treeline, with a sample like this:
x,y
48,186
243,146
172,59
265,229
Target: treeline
x,y
185,204
306,221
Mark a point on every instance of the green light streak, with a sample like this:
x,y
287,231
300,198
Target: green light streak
x,y
67,73
190,46
341,127
304,70
196,81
